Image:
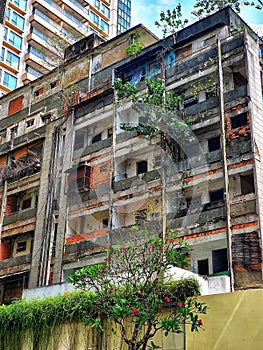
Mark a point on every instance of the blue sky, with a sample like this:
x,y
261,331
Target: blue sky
x,y
147,12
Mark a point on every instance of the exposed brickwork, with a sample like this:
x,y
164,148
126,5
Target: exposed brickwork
x,y
15,105
11,205
207,233
86,236
4,250
3,160
100,174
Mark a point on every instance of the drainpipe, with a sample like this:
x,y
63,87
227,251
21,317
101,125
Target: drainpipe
x,y
90,70
114,140
225,170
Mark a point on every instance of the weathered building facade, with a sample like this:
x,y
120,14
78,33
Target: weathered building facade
x,y
73,180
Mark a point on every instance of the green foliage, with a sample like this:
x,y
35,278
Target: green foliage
x,y
206,7
33,322
136,46
134,291
171,21
160,108
125,90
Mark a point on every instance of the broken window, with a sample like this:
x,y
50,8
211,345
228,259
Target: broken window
x,y
214,143
238,121
97,138
203,267
247,184
217,195
220,262
142,167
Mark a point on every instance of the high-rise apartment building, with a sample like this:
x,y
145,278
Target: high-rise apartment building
x,y
73,179
34,33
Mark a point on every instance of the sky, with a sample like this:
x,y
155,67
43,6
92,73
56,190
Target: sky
x,y
147,12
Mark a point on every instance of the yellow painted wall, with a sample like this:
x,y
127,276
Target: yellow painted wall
x,y
234,321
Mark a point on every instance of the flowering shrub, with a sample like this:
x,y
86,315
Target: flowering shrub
x,y
132,292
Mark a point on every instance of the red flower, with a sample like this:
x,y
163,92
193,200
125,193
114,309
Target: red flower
x,y
103,267
135,311
180,304
167,300
108,259
159,307
149,249
124,249
200,322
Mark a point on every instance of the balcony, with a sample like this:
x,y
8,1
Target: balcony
x,y
20,215
39,61
75,8
45,24
52,47
125,184
55,13
30,75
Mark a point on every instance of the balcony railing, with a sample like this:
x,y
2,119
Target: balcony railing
x,y
65,13
41,56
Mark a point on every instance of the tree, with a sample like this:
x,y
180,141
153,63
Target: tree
x,y
171,21
133,290
206,7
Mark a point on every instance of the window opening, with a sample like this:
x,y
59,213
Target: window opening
x,y
203,267
216,195
220,263
97,138
238,121
214,144
247,184
142,167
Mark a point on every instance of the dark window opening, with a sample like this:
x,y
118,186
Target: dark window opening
x,y
247,184
216,195
30,122
238,121
79,140
13,130
53,84
97,138
39,92
220,263
21,246
203,268
105,222
214,144
110,132
142,167
26,203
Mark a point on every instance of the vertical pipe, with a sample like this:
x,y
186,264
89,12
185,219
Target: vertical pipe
x,y
225,170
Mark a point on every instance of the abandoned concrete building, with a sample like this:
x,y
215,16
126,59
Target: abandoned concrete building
x,y
74,180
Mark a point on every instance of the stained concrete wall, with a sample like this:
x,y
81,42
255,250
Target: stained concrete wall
x,y
233,321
